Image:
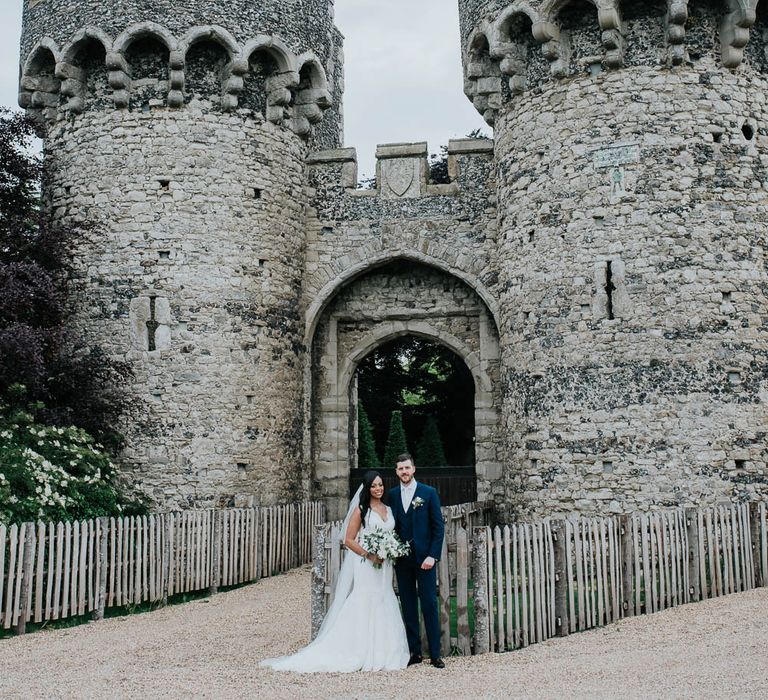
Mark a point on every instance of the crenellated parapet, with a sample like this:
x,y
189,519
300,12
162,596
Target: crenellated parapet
x,y
148,65
402,170
512,47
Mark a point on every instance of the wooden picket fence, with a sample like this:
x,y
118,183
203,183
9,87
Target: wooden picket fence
x,y
452,571
52,571
551,578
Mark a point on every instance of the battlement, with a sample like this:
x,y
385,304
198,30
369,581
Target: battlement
x,y
510,48
92,59
402,169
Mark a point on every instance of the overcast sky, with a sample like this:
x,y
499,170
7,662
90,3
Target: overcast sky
x,y
403,72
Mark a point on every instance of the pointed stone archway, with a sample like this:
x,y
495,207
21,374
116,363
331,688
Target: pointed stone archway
x,y
401,298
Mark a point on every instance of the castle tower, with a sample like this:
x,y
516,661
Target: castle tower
x,y
631,150
181,130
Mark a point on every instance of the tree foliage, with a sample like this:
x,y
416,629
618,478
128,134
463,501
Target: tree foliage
x,y
397,443
78,384
366,445
438,162
420,378
429,449
55,473
60,398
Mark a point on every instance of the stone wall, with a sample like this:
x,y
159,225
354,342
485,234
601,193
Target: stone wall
x,y
279,66
409,257
632,257
193,275
600,267
183,135
658,397
303,24
351,229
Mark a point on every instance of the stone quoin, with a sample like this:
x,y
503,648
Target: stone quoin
x,y
600,266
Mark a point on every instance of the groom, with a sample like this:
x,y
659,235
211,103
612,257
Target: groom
x,y
419,522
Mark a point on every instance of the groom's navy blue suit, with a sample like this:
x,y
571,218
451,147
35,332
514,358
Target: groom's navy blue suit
x,y
423,528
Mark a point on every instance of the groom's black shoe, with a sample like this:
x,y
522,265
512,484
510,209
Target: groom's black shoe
x,y
415,659
437,662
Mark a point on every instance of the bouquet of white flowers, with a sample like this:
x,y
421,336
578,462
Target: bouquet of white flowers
x,y
385,544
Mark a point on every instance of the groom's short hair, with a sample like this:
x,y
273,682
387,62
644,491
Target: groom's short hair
x,y
405,457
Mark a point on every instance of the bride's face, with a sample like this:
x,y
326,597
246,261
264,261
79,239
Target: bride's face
x,y
377,488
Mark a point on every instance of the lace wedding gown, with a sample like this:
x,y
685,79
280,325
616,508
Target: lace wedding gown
x,y
364,631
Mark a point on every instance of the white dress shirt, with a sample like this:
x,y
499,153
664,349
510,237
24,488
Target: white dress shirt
x,y
407,493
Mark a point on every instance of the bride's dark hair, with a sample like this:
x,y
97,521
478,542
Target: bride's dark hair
x,y
365,494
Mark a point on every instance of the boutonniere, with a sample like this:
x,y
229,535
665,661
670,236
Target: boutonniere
x,y
417,502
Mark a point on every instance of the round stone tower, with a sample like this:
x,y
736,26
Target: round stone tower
x,y
631,148
180,131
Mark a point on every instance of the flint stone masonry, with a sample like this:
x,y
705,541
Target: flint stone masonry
x,y
150,59
303,24
600,265
400,298
632,213
212,275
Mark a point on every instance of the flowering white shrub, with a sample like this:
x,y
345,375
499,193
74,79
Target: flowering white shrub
x,y
54,473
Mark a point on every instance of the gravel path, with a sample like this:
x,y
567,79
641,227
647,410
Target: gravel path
x,y
210,649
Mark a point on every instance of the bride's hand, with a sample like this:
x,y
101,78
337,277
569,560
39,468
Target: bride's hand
x,y
378,561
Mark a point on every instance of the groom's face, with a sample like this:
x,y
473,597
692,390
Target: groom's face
x,y
405,471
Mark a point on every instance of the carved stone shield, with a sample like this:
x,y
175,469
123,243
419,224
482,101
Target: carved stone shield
x,y
400,174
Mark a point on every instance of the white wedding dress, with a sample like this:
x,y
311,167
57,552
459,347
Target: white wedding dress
x,y
363,630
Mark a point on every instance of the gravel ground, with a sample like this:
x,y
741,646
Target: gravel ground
x,y
210,649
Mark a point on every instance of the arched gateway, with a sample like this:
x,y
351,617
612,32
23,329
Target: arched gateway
x,y
400,297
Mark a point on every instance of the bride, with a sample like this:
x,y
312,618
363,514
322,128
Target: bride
x,y
363,629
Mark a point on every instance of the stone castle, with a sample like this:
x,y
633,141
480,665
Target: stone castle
x,y
600,266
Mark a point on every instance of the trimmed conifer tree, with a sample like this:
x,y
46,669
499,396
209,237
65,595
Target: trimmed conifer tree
x,y
366,445
396,441
429,450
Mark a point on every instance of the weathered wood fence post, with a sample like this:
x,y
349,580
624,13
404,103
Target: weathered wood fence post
x,y
27,540
296,556
216,554
482,601
463,562
101,600
755,527
257,542
166,561
319,578
562,622
763,539
692,559
627,562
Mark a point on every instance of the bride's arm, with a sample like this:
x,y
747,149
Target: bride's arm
x,y
350,540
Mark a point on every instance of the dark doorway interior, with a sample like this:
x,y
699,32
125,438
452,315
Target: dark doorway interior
x,y
415,395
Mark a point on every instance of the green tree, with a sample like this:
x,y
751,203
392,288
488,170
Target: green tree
x,y
396,442
429,450
61,399
438,162
366,445
420,378
78,383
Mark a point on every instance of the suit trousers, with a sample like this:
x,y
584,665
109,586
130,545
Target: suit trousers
x,y
415,586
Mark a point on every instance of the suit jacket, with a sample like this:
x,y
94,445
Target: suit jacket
x,y
423,527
